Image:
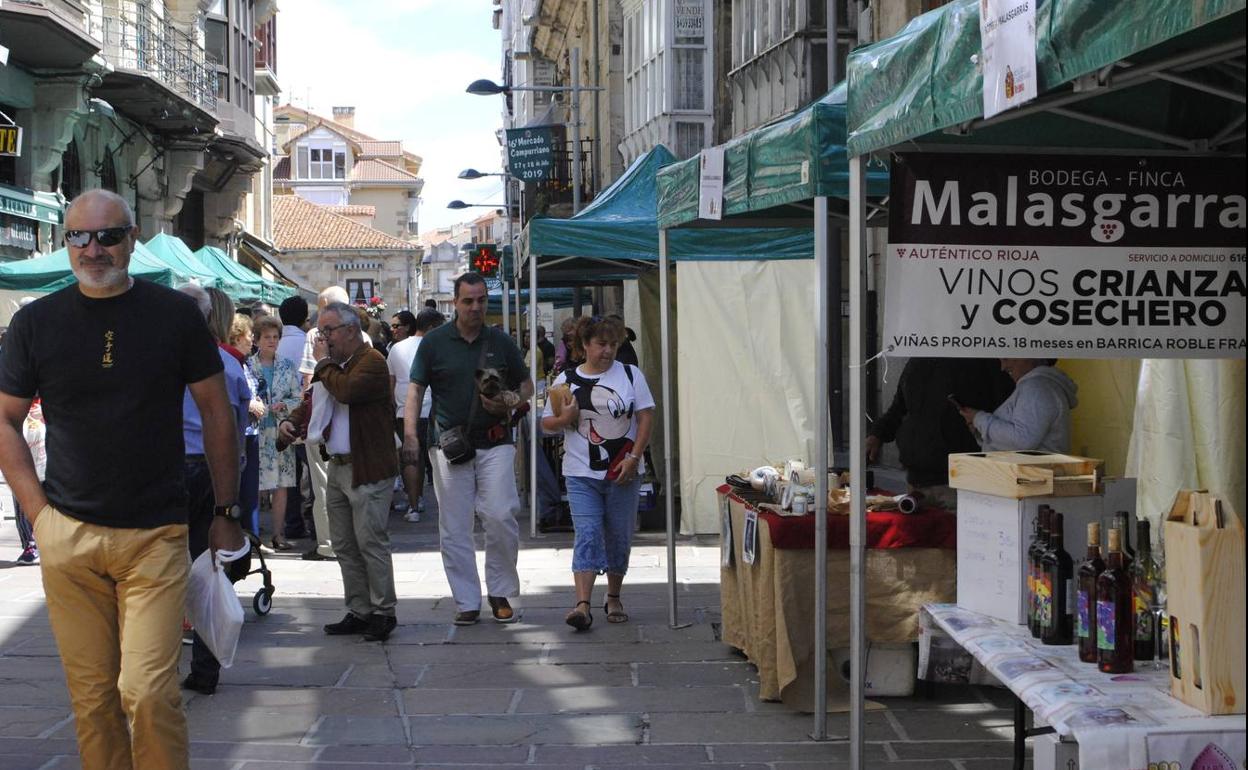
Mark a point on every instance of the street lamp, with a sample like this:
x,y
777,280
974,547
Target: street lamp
x,y
458,204
485,87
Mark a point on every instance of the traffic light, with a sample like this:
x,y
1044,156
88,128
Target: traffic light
x,y
485,260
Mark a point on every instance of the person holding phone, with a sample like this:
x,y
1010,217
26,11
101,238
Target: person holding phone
x,y
925,421
606,411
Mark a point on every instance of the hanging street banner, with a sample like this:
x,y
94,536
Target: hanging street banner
x,y
1007,53
531,153
1056,256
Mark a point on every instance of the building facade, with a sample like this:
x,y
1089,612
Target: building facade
x,y
330,162
153,100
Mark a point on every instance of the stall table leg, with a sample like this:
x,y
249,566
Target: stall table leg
x,y
1022,732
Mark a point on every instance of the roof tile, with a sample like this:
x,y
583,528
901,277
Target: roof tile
x,y
299,225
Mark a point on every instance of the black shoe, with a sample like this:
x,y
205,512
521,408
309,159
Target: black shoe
x,y
314,555
198,684
351,624
379,627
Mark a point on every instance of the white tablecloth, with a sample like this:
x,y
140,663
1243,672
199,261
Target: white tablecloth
x,y
1120,721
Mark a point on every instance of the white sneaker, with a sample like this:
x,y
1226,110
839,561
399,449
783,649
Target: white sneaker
x,y
412,516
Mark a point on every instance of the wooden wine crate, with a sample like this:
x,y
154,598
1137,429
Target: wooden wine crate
x,y
1205,590
1026,473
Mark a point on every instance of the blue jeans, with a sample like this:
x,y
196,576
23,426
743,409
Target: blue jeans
x,y
604,516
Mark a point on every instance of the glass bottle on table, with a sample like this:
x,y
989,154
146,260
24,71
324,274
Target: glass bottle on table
x,y
1122,521
1056,579
1115,626
1144,585
1039,544
1085,596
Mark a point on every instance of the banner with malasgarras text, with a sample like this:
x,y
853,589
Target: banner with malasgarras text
x,y
1056,256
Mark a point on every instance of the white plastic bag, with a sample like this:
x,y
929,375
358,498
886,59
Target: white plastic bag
x,y
213,607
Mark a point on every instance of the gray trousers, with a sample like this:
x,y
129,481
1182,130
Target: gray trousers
x,y
358,518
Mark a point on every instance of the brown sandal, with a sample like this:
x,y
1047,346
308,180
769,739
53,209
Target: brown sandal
x,y
579,620
614,617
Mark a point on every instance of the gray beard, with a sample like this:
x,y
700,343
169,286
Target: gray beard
x,y
113,278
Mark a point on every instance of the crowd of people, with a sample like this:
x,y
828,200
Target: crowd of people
x,y
330,413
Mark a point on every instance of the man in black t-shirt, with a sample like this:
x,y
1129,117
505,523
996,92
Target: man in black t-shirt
x,y
110,517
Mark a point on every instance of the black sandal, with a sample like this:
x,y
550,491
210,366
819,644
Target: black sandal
x,y
614,617
581,621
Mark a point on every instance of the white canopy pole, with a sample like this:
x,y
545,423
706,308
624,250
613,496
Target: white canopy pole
x,y
535,420
668,499
821,469
857,463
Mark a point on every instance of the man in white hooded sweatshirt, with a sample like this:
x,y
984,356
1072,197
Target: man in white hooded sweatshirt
x,y
1036,416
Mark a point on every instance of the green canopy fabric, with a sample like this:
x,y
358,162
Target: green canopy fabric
x,y
621,225
926,79
790,161
170,250
259,288
51,272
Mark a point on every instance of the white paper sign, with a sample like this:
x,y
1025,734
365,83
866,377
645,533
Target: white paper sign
x,y
749,536
1007,34
711,183
1055,256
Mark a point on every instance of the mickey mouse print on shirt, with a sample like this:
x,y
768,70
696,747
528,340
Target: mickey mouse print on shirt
x,y
606,429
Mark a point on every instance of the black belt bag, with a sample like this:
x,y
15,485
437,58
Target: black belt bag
x,y
456,446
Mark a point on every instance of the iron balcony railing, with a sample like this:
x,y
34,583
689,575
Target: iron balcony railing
x,y
135,38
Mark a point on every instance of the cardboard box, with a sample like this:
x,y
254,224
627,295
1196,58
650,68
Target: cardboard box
x,y
994,534
1026,473
1204,542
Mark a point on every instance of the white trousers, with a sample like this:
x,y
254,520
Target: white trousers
x,y
486,486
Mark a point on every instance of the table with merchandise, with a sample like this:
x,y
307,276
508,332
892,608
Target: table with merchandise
x,y
1118,721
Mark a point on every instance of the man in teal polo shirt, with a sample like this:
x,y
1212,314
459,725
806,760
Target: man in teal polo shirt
x,y
447,362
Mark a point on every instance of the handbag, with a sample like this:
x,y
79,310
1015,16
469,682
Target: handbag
x,y
456,442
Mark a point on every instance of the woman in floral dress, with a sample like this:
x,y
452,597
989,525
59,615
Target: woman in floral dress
x,y
279,387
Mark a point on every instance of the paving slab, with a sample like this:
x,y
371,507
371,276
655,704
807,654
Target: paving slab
x,y
357,731
593,729
495,675
425,700
649,700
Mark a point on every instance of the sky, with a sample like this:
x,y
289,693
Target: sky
x,y
404,65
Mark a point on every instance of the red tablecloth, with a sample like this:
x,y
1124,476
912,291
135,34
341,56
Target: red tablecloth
x,y
929,528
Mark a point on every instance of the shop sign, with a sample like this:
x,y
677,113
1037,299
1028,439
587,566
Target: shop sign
x,y
711,183
690,21
531,153
11,140
1007,38
20,233
1050,256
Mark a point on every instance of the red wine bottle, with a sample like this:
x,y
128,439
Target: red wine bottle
x,y
1039,544
1122,522
1085,602
1057,581
1144,582
1115,626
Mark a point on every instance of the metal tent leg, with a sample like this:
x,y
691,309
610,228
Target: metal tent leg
x,y
668,499
821,470
535,420
857,463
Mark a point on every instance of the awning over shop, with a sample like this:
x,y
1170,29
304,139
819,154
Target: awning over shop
x,y
261,253
1139,75
220,262
31,204
776,169
50,272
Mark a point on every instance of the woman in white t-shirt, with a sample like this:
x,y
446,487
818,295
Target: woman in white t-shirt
x,y
606,414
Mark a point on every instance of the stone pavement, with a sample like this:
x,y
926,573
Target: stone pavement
x,y
532,695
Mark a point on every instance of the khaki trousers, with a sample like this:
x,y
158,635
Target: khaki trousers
x,y
318,470
358,523
115,601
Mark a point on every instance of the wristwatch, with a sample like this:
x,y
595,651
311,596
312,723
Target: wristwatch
x,y
231,512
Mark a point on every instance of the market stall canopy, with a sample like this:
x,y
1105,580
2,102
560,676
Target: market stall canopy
x,y
220,262
1144,75
50,272
618,234
771,171
172,251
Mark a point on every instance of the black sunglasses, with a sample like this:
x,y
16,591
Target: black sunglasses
x,y
109,236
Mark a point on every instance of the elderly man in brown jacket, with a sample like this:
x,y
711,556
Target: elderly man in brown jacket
x,y
359,446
